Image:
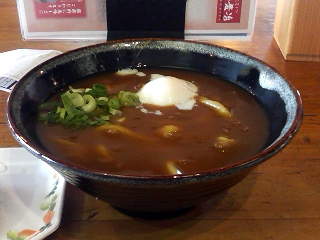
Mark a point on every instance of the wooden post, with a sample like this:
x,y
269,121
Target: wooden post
x,y
297,29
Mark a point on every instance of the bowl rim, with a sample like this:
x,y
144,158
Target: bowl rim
x,y
247,163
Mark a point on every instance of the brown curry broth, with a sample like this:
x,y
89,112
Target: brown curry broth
x,y
192,151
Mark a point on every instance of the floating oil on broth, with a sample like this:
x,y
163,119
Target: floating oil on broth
x,y
154,140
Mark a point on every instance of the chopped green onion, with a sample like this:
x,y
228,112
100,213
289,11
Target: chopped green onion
x,y
129,98
83,107
76,90
49,105
76,99
115,112
100,90
105,118
103,99
89,104
68,104
114,103
62,112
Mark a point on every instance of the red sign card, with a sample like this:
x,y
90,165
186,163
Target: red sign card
x,y
60,8
229,11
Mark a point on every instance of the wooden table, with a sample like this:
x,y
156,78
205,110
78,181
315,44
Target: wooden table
x,y
279,200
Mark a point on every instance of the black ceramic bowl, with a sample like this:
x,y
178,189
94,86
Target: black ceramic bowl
x,y
159,193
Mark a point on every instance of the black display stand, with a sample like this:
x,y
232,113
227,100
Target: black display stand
x,y
145,19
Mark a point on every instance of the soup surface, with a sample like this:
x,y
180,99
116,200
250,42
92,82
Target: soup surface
x,y
154,140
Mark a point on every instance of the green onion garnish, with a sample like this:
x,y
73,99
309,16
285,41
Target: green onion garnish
x,y
81,107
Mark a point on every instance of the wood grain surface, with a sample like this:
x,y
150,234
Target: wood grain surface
x,y
279,200
295,22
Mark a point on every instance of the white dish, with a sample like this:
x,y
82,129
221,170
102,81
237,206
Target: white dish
x,y
31,196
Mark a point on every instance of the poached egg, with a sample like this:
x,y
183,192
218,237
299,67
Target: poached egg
x,y
169,91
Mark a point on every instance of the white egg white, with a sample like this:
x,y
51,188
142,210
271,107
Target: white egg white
x,y
169,91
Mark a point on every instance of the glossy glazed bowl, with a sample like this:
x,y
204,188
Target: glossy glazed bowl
x,y
161,193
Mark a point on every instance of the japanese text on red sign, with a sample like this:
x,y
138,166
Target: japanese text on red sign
x,y
229,11
60,8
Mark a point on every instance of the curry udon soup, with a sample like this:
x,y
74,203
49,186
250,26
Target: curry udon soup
x,y
224,125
